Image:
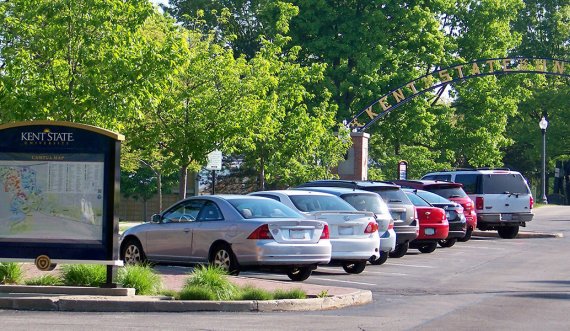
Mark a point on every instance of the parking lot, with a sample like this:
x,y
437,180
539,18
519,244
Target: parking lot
x,y
486,283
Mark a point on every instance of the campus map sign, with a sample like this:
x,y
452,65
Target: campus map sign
x,y
58,186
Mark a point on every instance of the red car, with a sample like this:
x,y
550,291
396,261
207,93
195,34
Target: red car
x,y
451,191
433,224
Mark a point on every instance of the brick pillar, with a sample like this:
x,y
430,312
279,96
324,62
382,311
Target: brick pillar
x,y
356,165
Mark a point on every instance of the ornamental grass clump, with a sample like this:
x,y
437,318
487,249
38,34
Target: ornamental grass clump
x,y
11,273
84,274
213,279
295,293
254,293
142,278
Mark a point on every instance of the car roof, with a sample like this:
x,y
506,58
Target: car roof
x,y
427,183
334,190
485,171
355,183
294,192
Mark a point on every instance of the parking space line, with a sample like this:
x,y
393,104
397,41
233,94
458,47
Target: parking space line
x,y
410,265
341,281
385,273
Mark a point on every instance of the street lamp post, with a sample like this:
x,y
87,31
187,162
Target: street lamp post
x,y
543,124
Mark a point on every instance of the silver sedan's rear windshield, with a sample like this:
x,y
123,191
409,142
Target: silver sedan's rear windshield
x,y
309,203
263,208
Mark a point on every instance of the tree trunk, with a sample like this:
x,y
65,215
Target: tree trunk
x,y
183,179
261,179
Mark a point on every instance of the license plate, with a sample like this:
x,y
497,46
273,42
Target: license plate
x,y
429,231
297,234
345,231
507,217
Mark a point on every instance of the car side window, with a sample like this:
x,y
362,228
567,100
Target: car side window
x,y
210,212
186,211
469,182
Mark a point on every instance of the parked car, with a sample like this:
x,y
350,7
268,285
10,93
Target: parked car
x,y
503,200
368,201
453,212
433,224
451,191
401,208
353,234
233,232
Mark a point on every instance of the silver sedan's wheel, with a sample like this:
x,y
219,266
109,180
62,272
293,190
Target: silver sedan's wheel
x,y
132,253
223,257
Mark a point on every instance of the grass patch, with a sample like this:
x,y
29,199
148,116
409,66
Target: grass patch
x,y
140,277
196,292
214,279
45,280
11,273
254,293
93,275
295,293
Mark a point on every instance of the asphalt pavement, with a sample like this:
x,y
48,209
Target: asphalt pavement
x,y
89,299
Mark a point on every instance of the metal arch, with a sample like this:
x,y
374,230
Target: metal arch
x,y
535,63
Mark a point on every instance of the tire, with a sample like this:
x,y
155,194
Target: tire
x,y
383,258
401,250
354,267
467,235
132,252
447,242
299,274
508,232
428,248
224,258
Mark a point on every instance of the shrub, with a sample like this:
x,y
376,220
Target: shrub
x,y
140,277
11,273
253,293
195,292
295,293
84,274
45,280
215,279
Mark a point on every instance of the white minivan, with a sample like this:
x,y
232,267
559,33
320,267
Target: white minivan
x,y
503,200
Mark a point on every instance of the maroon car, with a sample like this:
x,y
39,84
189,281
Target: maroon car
x,y
451,191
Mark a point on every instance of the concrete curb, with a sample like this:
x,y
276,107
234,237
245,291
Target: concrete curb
x,y
91,303
521,235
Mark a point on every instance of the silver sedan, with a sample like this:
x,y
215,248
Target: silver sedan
x,y
234,232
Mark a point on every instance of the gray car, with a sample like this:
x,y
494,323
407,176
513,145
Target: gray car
x,y
368,201
406,222
234,232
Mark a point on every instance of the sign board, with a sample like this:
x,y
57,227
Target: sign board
x,y
214,161
60,189
402,170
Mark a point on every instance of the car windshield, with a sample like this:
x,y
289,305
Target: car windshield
x,y
367,202
263,208
391,195
448,192
504,183
417,201
432,197
309,203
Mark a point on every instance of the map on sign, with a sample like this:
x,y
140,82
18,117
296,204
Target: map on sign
x,y
49,198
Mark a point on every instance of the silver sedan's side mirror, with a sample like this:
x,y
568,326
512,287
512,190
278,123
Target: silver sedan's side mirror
x,y
156,218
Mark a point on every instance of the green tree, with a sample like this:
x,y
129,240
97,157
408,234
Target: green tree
x,y
292,137
82,61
